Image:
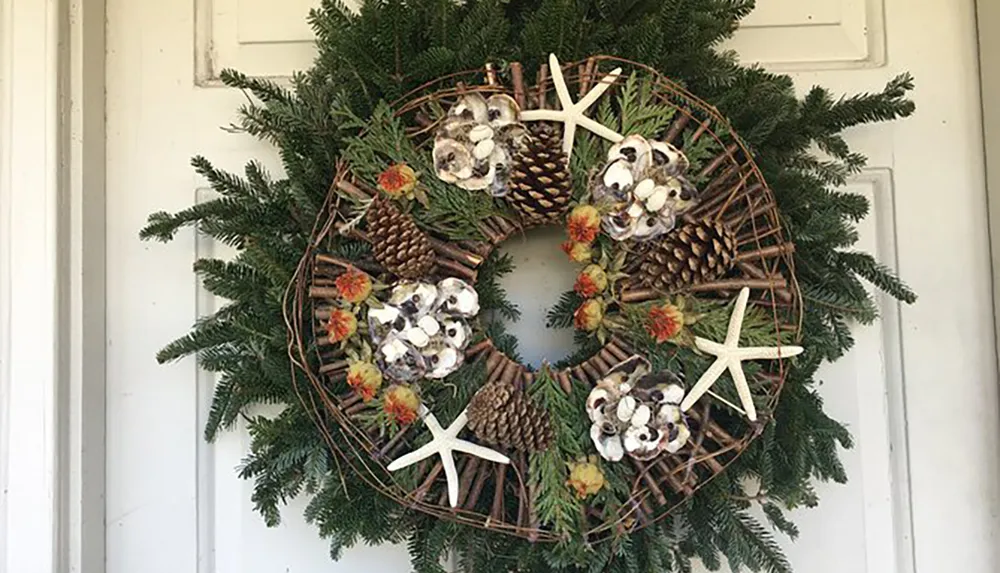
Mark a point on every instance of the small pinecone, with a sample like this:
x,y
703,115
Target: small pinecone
x,y
540,186
397,243
694,254
501,415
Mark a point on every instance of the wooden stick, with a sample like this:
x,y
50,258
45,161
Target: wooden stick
x,y
654,488
775,282
459,255
482,472
459,269
541,88
497,511
715,163
765,252
517,78
676,128
421,491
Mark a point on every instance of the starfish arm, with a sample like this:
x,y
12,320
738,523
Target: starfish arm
x,y
451,474
543,115
430,420
598,90
703,384
736,320
767,352
601,130
569,136
457,426
480,452
560,83
743,389
710,346
415,456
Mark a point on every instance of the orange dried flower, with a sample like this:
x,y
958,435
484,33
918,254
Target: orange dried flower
x,y
365,378
354,286
664,322
589,315
590,281
401,404
578,252
583,224
398,180
342,325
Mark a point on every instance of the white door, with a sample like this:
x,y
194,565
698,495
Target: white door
x,y
919,392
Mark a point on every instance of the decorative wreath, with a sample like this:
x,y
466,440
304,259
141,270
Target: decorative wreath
x,y
393,307
634,453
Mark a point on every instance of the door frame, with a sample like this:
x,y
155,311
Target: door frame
x,y
52,338
52,226
988,16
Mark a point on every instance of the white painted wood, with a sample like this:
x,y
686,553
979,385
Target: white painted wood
x,y
29,187
924,489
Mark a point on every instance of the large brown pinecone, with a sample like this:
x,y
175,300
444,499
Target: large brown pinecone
x,y
540,187
501,415
696,253
397,243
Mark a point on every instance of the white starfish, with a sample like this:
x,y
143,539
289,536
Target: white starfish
x,y
443,443
730,355
574,114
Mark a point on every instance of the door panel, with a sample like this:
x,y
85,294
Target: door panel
x,y
175,504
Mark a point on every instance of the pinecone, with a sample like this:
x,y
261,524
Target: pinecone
x,y
499,414
540,186
397,243
696,253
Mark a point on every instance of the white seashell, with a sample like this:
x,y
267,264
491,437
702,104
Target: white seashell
x,y
644,189
635,149
657,199
635,210
653,225
413,298
442,360
619,227
502,109
683,435
668,414
641,416
478,183
393,350
483,149
626,407
618,175
384,315
429,325
452,160
480,133
457,297
673,394
471,106
596,400
417,337
456,333
667,156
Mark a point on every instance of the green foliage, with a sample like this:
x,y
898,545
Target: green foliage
x,y
390,47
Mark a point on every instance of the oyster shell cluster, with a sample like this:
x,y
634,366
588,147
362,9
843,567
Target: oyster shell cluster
x,y
476,141
644,183
637,412
422,330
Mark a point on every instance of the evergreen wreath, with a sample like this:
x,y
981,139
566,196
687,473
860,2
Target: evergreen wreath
x,y
365,294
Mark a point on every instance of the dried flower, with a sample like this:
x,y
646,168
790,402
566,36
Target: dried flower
x,y
585,477
342,325
365,378
354,286
583,224
589,315
578,252
664,322
590,281
401,404
398,180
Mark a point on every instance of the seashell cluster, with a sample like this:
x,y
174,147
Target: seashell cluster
x,y
636,412
422,330
476,141
644,184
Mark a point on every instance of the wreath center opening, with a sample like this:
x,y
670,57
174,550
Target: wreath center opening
x,y
542,272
